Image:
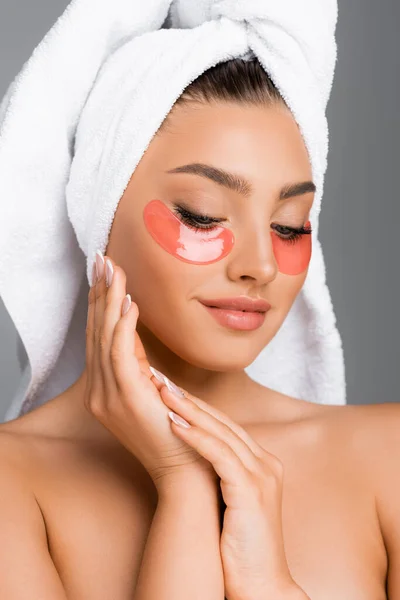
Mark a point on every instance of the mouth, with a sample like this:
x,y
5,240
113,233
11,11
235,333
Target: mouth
x,y
235,309
237,319
239,304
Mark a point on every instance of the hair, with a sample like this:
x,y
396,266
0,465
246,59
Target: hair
x,y
235,80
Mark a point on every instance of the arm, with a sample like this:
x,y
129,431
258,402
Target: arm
x,y
181,559
383,439
251,546
292,593
26,567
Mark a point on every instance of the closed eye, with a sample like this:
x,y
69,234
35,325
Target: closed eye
x,y
196,221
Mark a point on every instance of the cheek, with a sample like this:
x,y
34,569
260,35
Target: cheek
x,y
292,258
196,247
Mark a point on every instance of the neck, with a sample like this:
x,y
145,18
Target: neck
x,y
233,392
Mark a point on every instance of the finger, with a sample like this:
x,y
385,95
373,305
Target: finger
x,y
203,419
225,461
217,414
98,382
115,291
141,355
156,382
157,378
254,446
90,329
118,294
235,427
124,362
111,293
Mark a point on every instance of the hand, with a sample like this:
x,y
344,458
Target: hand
x,y
252,548
121,391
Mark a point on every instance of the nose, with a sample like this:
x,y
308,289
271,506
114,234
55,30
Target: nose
x,y
252,257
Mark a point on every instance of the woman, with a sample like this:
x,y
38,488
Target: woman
x,y
103,496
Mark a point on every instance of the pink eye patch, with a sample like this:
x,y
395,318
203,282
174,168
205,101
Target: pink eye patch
x,y
206,246
292,256
198,247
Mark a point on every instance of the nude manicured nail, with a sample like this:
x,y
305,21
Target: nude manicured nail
x,y
99,265
158,375
164,379
173,388
109,272
178,420
126,304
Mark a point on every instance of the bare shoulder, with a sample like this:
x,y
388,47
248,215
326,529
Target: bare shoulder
x,y
370,437
374,430
370,431
16,460
20,449
23,442
24,552
49,479
16,446
378,436
364,443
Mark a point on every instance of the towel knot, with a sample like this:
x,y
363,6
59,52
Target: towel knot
x,y
192,13
239,11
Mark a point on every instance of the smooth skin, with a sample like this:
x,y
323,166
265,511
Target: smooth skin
x,y
79,511
135,410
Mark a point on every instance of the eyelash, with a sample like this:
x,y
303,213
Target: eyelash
x,y
192,221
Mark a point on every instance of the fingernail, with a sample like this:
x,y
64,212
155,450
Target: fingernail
x,y
158,375
94,274
99,264
109,272
164,379
126,304
178,420
173,388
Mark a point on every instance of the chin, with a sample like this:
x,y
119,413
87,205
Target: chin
x,y
219,355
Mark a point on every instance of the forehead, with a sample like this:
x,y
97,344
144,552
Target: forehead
x,y
259,141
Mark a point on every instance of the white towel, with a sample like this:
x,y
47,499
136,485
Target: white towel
x,y
75,123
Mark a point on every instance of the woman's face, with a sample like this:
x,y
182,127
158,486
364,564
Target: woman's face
x,y
170,266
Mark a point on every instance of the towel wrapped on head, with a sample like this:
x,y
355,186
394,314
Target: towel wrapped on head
x,y
74,125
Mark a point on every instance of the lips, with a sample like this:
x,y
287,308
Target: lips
x,y
240,303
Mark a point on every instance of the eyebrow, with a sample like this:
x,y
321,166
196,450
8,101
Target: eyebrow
x,y
239,184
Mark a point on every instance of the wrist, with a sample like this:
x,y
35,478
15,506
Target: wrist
x,y
183,482
288,592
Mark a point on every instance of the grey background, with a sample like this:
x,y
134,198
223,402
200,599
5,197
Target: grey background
x,y
360,215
